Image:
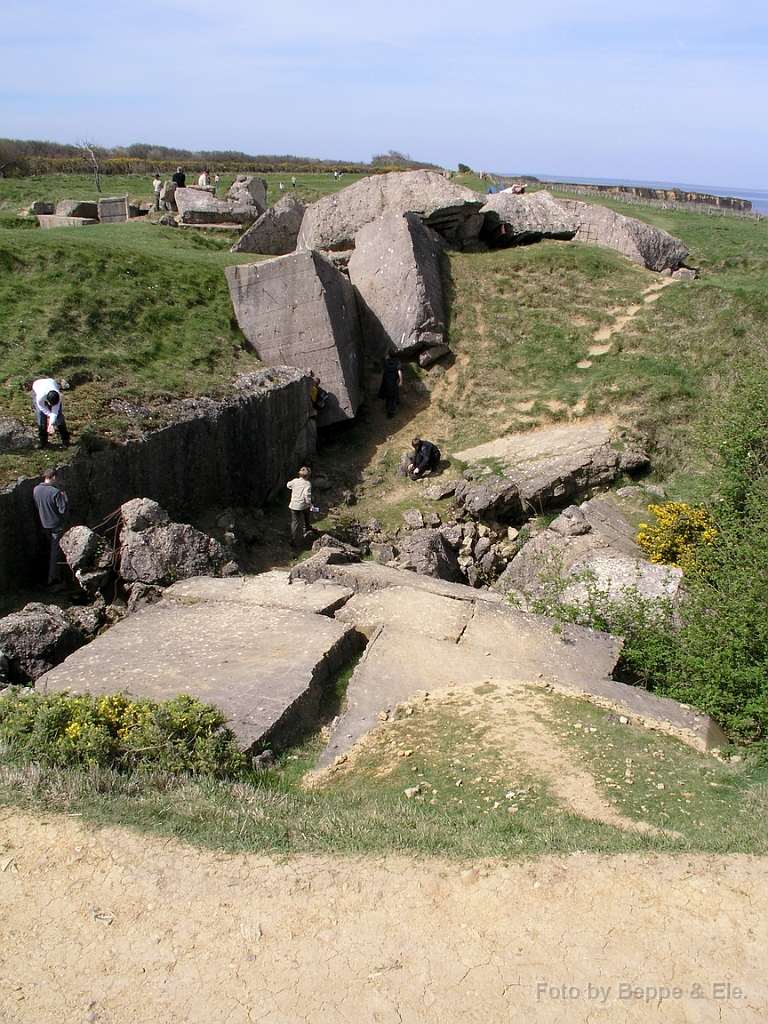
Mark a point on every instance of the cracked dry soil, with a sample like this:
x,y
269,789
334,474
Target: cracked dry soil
x,y
114,927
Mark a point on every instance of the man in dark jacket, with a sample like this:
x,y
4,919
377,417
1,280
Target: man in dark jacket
x,y
425,456
179,178
51,504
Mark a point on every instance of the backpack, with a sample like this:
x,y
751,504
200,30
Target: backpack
x,y
321,400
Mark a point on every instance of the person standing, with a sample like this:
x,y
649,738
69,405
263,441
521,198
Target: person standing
x,y
179,178
300,505
51,504
391,381
157,188
46,404
216,180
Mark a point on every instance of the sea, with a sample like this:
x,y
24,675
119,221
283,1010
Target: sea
x,y
758,197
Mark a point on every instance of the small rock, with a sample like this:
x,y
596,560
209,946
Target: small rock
x,y
414,519
412,791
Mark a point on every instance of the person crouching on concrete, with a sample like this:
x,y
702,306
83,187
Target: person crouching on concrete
x,y
300,505
46,404
51,504
426,456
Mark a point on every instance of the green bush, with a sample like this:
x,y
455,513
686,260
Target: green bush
x,y
178,735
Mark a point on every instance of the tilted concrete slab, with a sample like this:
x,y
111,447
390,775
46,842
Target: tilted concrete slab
x,y
299,310
549,466
396,269
269,590
264,667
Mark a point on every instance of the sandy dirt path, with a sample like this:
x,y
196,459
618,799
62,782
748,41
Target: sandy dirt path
x,y
115,927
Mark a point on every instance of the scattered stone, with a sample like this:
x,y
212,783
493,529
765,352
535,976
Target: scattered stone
x,y
197,206
412,791
35,639
441,489
160,555
383,553
86,617
77,208
80,545
140,513
168,221
414,520
430,355
113,210
430,555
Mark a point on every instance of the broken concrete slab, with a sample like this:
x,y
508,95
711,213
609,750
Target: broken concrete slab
x,y
53,220
197,206
410,611
333,222
511,219
550,466
301,311
272,589
276,230
650,246
396,269
265,668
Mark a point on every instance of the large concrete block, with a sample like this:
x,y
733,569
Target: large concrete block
x,y
333,222
77,208
197,206
299,310
276,231
396,270
113,210
264,667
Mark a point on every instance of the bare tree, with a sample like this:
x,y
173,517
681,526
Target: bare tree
x,y
88,149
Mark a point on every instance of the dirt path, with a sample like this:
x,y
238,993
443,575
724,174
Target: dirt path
x,y
117,928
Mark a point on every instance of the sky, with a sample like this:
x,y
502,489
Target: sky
x,y
672,91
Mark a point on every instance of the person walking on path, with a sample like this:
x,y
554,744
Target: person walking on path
x,y
46,404
426,456
300,505
391,381
51,504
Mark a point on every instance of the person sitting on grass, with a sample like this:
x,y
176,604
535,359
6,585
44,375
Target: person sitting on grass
x,y
426,457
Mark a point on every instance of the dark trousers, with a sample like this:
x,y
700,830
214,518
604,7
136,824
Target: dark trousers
x,y
42,428
54,572
300,524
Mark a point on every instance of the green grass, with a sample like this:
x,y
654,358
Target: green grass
x,y
469,801
17,194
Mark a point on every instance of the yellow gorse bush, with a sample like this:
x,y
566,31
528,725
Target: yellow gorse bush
x,y
680,531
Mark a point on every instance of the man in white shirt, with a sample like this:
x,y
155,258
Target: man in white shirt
x,y
46,404
300,505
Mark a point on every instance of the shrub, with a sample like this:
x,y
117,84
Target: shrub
x,y
679,533
178,735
